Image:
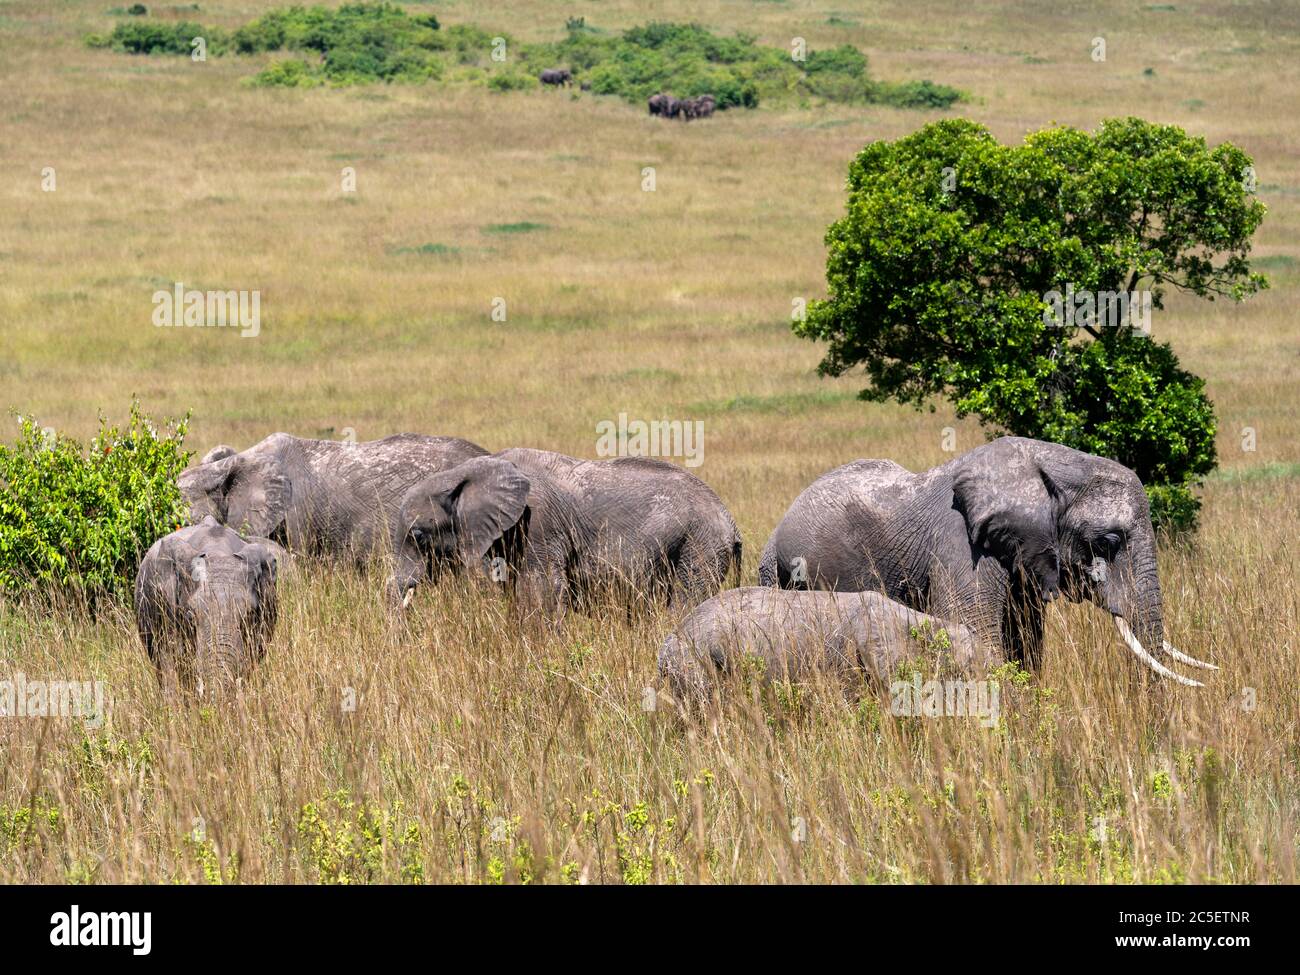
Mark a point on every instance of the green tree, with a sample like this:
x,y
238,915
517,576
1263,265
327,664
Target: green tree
x,y
1001,277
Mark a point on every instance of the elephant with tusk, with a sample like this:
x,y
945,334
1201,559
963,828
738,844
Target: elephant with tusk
x,y
205,604
323,497
797,633
986,539
557,530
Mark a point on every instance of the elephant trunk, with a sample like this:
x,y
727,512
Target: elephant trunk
x,y
1132,595
221,650
1135,596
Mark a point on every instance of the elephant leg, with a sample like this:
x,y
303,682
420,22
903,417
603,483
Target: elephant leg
x,y
542,586
697,574
1022,629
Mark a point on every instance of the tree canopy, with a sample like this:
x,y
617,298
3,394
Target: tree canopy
x,y
1018,282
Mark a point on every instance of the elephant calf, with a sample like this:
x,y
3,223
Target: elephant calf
x,y
556,529
205,605
797,633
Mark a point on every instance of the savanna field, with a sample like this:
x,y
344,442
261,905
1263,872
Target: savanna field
x,y
470,748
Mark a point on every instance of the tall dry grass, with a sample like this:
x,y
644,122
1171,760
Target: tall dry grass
x,y
481,750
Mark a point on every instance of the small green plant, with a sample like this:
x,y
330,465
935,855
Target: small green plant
x,y
80,517
350,842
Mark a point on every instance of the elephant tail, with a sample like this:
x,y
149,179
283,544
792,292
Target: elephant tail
x,y
736,552
767,570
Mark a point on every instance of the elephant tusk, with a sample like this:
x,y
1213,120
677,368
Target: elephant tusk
x,y
1135,645
406,600
1184,658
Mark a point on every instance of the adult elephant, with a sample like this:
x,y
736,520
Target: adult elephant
x,y
324,497
556,76
659,103
558,530
985,539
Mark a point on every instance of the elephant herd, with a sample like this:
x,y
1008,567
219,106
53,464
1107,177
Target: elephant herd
x,y
683,108
847,579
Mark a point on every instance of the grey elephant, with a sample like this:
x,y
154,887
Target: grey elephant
x,y
985,539
705,105
797,634
324,497
658,103
205,605
557,530
556,76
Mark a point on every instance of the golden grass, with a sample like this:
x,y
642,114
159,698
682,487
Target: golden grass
x,y
667,304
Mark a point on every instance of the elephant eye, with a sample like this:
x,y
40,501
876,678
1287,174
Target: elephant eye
x,y
1108,544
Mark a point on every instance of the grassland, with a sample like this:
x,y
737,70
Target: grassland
x,y
479,750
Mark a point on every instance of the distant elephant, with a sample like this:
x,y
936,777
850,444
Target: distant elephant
x,y
705,106
220,452
556,76
322,497
659,103
674,107
689,108
557,530
205,605
985,539
797,634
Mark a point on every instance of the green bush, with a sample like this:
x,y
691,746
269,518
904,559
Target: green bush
x,y
290,73
144,37
80,519
511,81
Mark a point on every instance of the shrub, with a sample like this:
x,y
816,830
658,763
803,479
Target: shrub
x,y
290,73
511,81
81,519
153,38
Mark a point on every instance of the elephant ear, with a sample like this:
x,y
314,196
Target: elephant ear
x,y
469,507
263,567
204,487
258,494
1011,505
489,502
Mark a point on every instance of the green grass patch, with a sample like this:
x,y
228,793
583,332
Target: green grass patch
x,y
427,250
784,403
522,227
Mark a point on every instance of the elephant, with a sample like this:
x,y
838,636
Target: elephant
x,y
557,531
659,103
205,605
319,497
985,539
556,76
798,633
705,106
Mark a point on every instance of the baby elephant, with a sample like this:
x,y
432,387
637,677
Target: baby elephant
x,y
796,633
205,605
